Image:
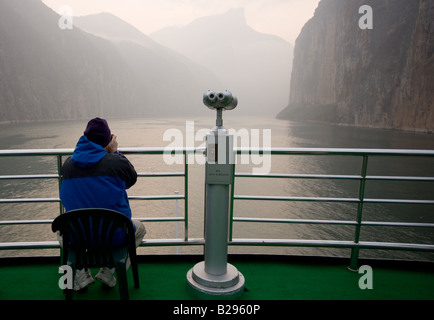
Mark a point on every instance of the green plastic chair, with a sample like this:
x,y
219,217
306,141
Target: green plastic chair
x,y
88,242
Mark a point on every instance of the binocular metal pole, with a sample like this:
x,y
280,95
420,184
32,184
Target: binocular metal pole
x,y
216,228
219,120
215,277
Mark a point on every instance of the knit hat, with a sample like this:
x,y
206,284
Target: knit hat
x,y
98,131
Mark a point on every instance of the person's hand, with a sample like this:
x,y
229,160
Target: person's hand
x,y
112,147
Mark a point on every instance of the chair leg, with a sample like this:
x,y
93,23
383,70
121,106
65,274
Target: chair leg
x,y
121,273
135,270
68,294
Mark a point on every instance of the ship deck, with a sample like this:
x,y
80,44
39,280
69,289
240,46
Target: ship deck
x,y
267,278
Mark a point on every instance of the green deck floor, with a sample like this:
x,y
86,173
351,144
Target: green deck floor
x,y
267,278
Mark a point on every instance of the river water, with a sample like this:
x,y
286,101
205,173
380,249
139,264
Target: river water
x,y
157,132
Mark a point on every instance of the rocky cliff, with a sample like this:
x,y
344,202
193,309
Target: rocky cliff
x,y
44,72
380,77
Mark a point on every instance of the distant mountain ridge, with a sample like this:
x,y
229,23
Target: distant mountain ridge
x,y
108,26
256,67
176,81
106,67
51,74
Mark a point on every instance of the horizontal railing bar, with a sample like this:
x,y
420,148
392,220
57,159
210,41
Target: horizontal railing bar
x,y
49,221
293,242
399,178
298,176
337,151
55,244
29,200
331,177
159,150
49,200
33,176
336,222
65,152
275,151
29,245
398,201
243,242
332,244
295,221
36,152
161,219
325,199
398,246
243,175
397,224
172,242
308,199
162,197
161,174
18,222
258,220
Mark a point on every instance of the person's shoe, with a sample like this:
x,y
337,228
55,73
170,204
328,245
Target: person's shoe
x,y
106,277
83,278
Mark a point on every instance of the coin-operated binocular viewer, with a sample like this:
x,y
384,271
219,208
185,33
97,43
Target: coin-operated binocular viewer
x,y
215,277
219,102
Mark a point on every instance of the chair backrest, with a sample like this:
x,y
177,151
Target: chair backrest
x,y
93,234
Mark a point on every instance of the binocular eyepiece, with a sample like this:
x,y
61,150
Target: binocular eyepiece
x,y
222,100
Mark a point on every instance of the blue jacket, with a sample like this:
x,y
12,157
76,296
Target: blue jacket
x,y
93,178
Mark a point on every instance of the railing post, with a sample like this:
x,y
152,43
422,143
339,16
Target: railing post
x,y
59,180
177,224
355,251
185,196
231,204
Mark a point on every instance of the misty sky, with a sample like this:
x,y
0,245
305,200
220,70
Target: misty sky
x,y
283,18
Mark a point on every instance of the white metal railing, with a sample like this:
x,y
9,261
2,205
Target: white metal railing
x,y
59,154
354,243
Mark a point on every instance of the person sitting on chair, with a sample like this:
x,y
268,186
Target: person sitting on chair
x,y
97,176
